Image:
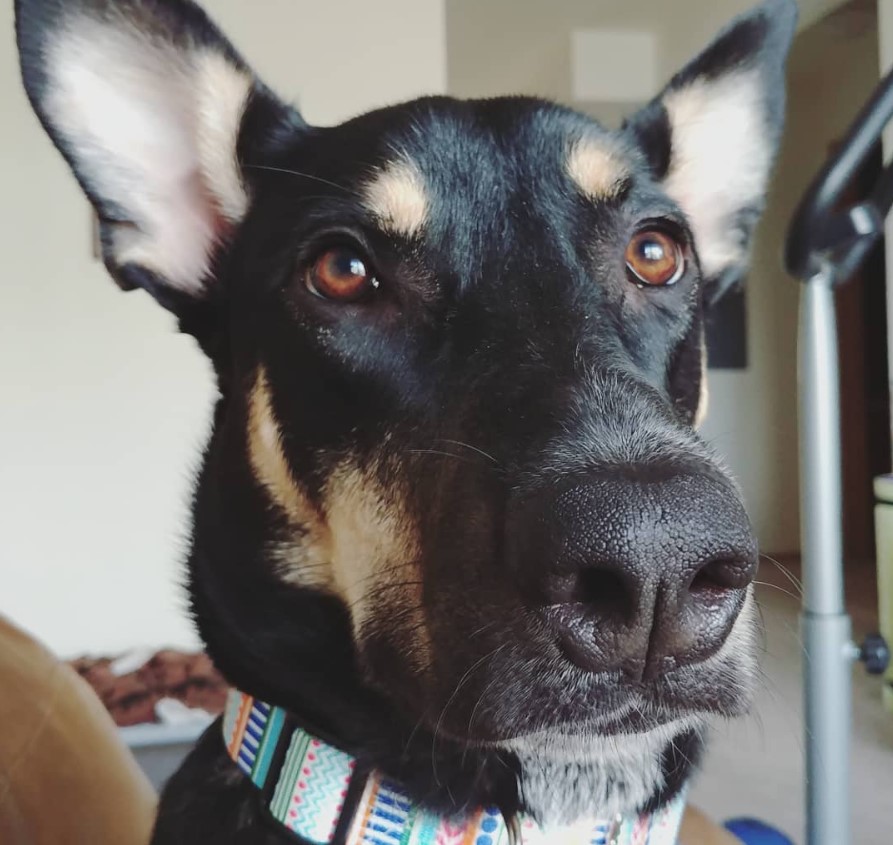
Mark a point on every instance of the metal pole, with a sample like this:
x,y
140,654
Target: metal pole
x,y
828,650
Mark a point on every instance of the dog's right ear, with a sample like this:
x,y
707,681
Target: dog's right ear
x,y
146,100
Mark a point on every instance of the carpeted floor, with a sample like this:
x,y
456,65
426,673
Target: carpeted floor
x,y
755,766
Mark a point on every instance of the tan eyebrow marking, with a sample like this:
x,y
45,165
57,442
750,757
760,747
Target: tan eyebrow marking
x,y
599,171
397,197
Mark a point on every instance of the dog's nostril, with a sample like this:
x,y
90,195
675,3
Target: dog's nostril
x,y
600,592
605,593
721,575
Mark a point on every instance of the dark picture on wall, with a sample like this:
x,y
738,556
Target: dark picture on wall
x,y
727,332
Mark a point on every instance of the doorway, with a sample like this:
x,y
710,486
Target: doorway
x,y
864,385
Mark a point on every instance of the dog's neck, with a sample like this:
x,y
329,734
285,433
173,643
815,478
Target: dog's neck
x,y
317,791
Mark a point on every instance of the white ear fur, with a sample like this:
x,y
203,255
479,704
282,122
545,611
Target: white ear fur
x,y
152,129
710,137
720,161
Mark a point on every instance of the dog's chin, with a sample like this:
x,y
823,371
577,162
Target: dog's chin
x,y
590,772
624,759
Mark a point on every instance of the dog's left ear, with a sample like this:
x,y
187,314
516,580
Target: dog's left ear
x,y
710,137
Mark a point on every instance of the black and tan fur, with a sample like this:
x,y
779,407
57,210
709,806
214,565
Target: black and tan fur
x,y
396,488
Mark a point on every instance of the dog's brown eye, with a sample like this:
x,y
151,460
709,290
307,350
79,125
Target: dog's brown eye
x,y
654,258
340,274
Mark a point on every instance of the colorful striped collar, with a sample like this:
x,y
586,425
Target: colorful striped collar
x,y
313,790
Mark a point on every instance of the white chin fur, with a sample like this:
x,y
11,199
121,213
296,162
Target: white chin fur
x,y
565,779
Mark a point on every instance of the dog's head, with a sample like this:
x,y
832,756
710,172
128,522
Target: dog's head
x,y
454,495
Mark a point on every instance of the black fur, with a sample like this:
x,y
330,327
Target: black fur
x,y
506,346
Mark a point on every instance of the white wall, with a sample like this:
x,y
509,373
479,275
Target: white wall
x,y
522,45
104,408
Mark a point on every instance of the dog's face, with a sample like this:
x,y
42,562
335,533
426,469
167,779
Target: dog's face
x,y
460,353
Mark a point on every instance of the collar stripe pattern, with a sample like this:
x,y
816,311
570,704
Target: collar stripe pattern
x,y
313,779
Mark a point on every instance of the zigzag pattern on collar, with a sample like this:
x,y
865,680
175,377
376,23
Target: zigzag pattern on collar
x,y
313,790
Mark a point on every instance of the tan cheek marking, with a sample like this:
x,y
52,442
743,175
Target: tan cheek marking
x,y
397,198
304,559
598,171
364,550
375,559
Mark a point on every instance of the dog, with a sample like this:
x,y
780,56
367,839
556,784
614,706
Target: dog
x,y
454,520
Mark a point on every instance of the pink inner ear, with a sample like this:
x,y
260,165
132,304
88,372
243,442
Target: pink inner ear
x,y
721,160
156,139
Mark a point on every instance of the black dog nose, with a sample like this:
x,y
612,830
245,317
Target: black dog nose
x,y
631,574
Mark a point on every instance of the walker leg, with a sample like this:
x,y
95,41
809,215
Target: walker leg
x,y
827,704
828,650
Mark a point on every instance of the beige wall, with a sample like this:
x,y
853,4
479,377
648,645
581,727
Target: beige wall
x,y
104,408
752,416
501,46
